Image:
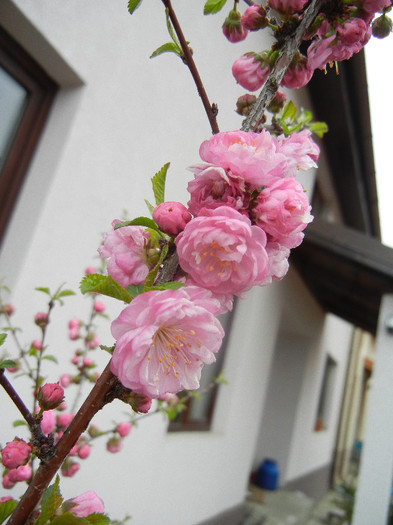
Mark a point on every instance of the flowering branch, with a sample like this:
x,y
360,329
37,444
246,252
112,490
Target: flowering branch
x,y
211,109
254,122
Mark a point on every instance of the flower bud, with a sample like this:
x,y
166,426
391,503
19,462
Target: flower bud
x,y
232,27
123,429
90,269
65,380
114,445
6,482
41,319
93,431
99,306
63,420
171,217
277,103
381,26
50,396
69,468
22,473
254,18
244,104
37,344
84,451
139,402
7,309
15,453
85,504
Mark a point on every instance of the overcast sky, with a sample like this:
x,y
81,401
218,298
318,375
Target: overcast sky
x,y
379,59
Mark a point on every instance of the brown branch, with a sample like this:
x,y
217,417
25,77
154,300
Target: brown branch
x,y
254,120
104,391
211,110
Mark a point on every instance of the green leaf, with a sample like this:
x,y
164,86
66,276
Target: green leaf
x,y
171,31
213,6
3,337
149,206
7,363
139,221
149,281
98,519
108,349
68,519
319,128
43,289
133,5
171,285
104,285
158,183
135,289
50,358
51,501
64,293
6,507
289,112
169,47
19,423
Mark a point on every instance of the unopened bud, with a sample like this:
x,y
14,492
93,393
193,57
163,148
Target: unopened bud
x,y
233,28
41,319
244,104
277,103
7,309
381,26
50,396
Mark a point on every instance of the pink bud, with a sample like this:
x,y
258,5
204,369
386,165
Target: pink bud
x,y
15,453
123,429
90,269
73,450
48,422
171,217
22,473
139,402
37,344
74,334
99,306
86,504
50,396
114,445
7,309
69,468
84,451
254,18
87,361
75,360
73,323
92,341
7,483
233,28
41,319
64,419
65,380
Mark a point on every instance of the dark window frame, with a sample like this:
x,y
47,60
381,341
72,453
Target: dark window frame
x,y
41,92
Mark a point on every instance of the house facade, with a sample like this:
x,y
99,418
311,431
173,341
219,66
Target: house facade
x,y
116,117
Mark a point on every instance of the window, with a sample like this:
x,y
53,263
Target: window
x,y
199,412
26,95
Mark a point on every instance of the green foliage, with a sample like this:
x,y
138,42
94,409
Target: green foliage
x,y
149,206
140,221
2,338
108,349
149,281
51,501
158,184
58,295
50,358
104,285
213,6
169,47
19,423
291,120
133,5
170,285
7,363
6,507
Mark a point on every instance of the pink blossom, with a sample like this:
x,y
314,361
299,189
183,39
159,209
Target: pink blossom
x,y
213,187
69,468
278,261
15,453
63,420
99,306
84,451
22,473
370,7
282,210
299,150
353,31
251,156
251,71
50,396
6,482
125,249
48,422
171,217
164,338
65,380
114,445
123,429
298,73
86,504
288,7
254,18
223,252
232,27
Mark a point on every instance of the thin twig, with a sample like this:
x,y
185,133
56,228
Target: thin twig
x,y
254,119
211,110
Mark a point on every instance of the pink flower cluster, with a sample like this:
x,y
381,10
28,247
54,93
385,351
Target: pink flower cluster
x,y
15,457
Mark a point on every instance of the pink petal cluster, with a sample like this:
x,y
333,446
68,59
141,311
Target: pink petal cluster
x,y
250,71
282,210
288,7
125,250
171,217
15,453
22,473
86,504
163,338
221,251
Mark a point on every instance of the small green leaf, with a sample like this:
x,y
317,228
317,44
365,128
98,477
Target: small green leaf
x,y
213,6
98,519
64,293
6,507
7,363
149,281
50,358
171,285
289,112
169,47
68,519
104,285
319,128
51,501
43,289
133,5
3,337
108,349
139,221
135,289
158,183
19,423
149,206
